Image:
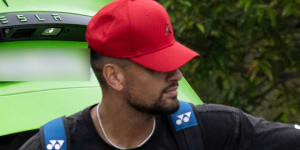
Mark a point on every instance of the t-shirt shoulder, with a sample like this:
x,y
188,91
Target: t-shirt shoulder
x,y
33,143
221,125
72,124
216,108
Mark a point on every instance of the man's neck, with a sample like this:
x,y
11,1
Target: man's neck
x,y
124,126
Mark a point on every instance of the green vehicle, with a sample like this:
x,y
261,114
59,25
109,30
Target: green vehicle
x,y
45,25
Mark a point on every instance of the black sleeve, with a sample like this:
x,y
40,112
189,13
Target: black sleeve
x,y
222,129
272,136
33,143
228,128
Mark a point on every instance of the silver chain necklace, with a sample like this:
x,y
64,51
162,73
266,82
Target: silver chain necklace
x,y
118,147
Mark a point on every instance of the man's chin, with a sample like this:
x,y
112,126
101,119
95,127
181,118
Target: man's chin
x,y
172,104
171,110
168,106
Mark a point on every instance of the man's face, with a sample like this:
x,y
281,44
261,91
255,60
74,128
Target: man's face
x,y
150,91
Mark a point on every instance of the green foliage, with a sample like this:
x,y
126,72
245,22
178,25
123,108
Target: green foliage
x,y
249,53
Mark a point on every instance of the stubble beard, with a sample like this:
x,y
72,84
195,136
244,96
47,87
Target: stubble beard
x,y
158,108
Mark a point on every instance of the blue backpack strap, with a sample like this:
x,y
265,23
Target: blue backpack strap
x,y
54,135
185,127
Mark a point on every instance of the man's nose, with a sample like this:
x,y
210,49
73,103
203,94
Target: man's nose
x,y
175,75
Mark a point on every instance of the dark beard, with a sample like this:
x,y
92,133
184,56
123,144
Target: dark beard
x,y
156,109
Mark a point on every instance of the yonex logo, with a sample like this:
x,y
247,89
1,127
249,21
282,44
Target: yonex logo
x,y
183,118
297,127
55,144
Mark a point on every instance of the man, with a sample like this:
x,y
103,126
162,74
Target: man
x,y
136,60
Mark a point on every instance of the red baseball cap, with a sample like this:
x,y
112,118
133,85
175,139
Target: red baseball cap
x,y
139,30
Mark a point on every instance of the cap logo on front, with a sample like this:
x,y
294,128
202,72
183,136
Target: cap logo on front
x,y
167,30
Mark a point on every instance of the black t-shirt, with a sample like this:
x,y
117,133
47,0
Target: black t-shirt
x,y
84,136
222,128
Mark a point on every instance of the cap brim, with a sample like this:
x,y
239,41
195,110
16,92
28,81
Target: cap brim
x,y
167,59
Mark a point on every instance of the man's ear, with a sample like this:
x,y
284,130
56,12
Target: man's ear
x,y
114,76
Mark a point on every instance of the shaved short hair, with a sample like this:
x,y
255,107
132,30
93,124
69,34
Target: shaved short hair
x,y
98,62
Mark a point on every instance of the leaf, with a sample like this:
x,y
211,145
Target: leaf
x,y
269,73
253,75
273,3
191,24
266,67
218,11
185,3
194,66
247,5
262,6
232,93
208,25
272,16
226,83
240,4
260,15
201,27
287,10
167,4
273,56
253,70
